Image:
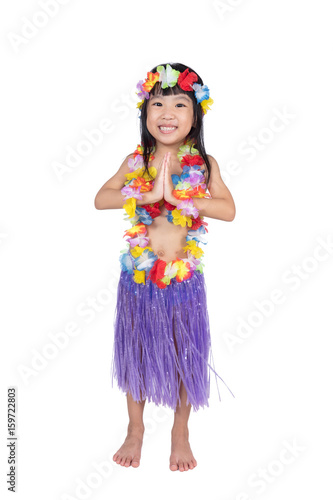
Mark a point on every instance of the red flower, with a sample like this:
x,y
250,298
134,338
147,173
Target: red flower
x,y
168,205
191,160
186,79
196,223
154,211
157,271
160,284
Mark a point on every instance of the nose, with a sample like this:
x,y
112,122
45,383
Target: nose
x,y
168,113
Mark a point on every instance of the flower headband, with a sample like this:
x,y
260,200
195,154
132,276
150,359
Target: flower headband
x,y
169,77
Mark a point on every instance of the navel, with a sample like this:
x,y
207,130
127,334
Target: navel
x,y
160,253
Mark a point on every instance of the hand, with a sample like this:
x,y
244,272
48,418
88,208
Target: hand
x,y
156,194
168,185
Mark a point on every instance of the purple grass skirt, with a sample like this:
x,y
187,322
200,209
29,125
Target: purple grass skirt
x,y
162,337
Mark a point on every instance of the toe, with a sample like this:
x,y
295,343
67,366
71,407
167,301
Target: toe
x,y
173,466
181,466
136,462
186,465
128,461
191,464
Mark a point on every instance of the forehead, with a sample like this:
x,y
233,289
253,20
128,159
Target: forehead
x,y
174,97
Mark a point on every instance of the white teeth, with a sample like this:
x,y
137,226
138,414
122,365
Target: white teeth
x,y
167,128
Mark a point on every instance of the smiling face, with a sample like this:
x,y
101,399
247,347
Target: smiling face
x,y
169,118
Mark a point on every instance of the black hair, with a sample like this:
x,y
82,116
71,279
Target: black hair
x,y
196,132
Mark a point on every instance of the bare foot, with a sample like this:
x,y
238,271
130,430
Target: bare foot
x,y
130,452
181,457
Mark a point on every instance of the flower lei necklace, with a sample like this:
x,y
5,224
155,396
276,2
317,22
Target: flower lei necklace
x,y
138,258
169,77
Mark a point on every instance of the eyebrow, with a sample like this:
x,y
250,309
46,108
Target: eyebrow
x,y
177,96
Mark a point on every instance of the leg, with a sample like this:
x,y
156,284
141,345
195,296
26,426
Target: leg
x,y
130,452
181,453
135,412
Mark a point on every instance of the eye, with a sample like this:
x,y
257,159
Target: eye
x,y
156,103
181,104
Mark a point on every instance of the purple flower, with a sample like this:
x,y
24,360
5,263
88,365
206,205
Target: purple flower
x,y
135,163
140,240
131,192
142,94
187,208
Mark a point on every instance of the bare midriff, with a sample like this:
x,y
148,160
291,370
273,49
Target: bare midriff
x,y
165,238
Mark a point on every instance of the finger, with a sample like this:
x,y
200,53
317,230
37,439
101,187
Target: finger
x,y
167,159
164,161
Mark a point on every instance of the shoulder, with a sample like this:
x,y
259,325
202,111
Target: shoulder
x,y
215,169
216,183
128,157
124,167
213,162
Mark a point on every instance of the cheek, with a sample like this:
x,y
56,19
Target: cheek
x,y
188,117
151,114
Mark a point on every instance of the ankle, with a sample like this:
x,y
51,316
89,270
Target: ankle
x,y
180,430
136,428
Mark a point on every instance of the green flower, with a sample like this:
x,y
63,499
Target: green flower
x,y
168,76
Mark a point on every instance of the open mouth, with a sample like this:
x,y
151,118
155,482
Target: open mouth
x,y
167,130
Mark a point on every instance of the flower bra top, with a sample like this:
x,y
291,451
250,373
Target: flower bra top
x,y
138,258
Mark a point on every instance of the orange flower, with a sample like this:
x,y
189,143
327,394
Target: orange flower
x,y
138,151
199,192
145,186
135,230
151,79
182,194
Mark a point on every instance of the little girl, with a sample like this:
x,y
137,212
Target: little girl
x,y
161,328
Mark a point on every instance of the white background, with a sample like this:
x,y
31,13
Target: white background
x,y
58,253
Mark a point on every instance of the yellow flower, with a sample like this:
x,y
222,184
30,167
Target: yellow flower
x,y
137,250
152,172
140,172
194,249
140,103
182,269
179,219
137,173
206,103
130,207
139,276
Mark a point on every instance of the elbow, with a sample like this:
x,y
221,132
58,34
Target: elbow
x,y
232,216
231,213
232,210
97,202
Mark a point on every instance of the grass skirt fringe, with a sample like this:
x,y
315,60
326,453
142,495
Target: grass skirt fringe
x,y
162,337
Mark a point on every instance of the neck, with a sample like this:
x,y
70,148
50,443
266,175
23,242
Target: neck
x,y
161,149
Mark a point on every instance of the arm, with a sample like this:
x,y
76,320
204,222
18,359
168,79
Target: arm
x,y
222,205
109,196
